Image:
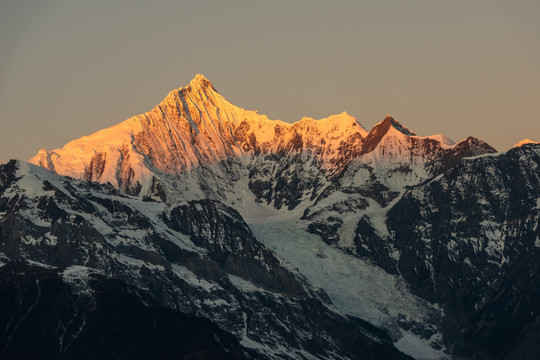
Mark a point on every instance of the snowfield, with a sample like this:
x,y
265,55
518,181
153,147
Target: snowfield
x,y
350,282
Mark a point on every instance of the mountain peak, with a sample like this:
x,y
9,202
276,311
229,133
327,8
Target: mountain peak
x,y
201,82
380,130
342,116
390,121
525,142
199,85
343,122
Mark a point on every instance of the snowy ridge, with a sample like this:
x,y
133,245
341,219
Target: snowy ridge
x,y
525,142
195,126
192,126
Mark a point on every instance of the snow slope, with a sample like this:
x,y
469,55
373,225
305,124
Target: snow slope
x,y
355,287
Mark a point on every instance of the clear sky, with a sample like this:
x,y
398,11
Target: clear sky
x,y
461,67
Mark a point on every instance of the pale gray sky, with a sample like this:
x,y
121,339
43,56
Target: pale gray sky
x,y
462,67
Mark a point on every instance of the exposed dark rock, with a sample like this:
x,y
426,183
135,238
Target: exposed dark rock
x,y
45,317
327,230
369,245
229,241
95,169
468,240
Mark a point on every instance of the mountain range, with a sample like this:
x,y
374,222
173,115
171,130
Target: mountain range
x,y
232,236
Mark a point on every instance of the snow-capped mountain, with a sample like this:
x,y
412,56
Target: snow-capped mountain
x,y
195,144
284,235
195,127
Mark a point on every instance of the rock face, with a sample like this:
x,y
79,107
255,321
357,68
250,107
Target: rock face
x,y
168,203
48,315
95,248
470,240
229,242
